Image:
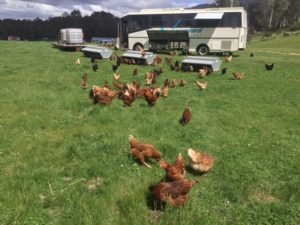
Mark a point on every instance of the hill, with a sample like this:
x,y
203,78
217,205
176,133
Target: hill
x,y
203,6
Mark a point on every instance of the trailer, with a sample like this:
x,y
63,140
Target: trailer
x,y
68,47
70,39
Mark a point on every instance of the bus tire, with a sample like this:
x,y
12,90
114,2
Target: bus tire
x,y
203,50
138,46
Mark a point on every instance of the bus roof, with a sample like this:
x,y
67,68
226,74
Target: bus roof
x,y
183,10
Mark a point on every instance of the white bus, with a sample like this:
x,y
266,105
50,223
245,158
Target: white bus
x,y
194,30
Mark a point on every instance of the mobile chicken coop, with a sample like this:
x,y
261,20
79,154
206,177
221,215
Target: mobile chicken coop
x,y
96,52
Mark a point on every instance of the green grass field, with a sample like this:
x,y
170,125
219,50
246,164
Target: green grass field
x,y
54,142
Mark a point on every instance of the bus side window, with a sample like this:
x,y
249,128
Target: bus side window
x,y
231,20
206,23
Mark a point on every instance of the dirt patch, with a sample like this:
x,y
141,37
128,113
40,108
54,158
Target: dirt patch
x,y
281,53
92,184
54,212
263,197
156,215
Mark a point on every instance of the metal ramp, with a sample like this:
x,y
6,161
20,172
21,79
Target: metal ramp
x,y
198,62
136,57
97,52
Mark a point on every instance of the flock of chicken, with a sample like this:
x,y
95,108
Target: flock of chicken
x,y
174,190
129,92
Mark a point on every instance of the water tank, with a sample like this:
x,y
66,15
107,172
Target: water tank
x,y
71,35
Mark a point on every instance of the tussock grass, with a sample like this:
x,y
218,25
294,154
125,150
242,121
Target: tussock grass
x,y
54,142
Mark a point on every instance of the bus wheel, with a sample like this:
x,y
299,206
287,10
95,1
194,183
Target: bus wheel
x,y
203,50
138,47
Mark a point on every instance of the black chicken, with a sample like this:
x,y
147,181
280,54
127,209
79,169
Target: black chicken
x,y
172,66
167,83
95,67
251,54
224,70
269,66
119,60
177,65
135,72
185,67
115,67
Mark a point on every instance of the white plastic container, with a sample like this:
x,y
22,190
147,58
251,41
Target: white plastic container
x,y
71,35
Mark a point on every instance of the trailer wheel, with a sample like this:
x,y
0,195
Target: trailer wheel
x,y
203,50
138,46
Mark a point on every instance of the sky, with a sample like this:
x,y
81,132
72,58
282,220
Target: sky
x,y
31,9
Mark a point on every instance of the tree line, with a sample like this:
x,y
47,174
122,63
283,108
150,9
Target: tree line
x,y
101,24
269,15
263,15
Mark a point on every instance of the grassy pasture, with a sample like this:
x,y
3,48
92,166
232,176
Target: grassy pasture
x,y
278,43
54,143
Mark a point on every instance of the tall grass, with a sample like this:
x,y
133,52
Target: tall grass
x,y
54,142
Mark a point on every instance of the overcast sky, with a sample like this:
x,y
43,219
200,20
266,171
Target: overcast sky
x,y
30,9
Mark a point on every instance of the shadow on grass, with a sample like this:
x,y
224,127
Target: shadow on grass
x,y
142,104
222,54
154,204
180,121
193,172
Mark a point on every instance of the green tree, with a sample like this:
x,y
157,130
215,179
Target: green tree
x,y
76,13
294,11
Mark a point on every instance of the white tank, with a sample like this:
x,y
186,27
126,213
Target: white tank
x,y
72,35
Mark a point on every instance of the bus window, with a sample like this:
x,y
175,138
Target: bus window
x,y
205,23
161,20
182,20
228,20
137,23
231,20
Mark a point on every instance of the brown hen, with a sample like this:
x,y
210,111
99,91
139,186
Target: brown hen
x,y
202,86
174,83
150,96
165,91
238,75
128,97
182,82
200,162
186,116
175,171
84,84
228,58
174,193
141,151
102,95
